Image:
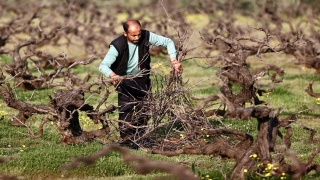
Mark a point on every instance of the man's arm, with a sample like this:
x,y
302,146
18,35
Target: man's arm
x,y
158,40
109,59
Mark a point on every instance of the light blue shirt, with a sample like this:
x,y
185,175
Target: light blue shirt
x,y
132,67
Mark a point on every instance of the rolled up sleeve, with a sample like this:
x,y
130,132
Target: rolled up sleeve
x,y
109,59
158,40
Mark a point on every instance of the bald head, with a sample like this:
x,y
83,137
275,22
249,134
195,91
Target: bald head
x,y
131,24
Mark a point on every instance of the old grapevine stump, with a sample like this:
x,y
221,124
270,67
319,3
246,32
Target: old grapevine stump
x,y
67,103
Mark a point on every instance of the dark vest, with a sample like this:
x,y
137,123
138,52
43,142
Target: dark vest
x,y
120,65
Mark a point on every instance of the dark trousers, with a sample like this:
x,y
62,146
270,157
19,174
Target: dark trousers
x,y
131,96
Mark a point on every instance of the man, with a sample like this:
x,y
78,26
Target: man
x,y
129,56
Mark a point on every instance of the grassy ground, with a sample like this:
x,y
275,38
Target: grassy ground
x,y
42,158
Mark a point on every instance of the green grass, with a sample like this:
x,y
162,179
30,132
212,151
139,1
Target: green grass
x,y
37,158
40,158
43,157
4,59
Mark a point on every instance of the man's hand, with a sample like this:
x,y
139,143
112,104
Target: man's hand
x,y
176,64
116,79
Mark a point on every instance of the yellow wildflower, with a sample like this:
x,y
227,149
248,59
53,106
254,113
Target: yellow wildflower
x,y
269,166
2,113
318,100
268,174
254,155
245,170
156,65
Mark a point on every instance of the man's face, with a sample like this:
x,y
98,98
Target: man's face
x,y
134,34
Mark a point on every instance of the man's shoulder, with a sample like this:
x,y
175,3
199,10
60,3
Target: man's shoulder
x,y
119,39
119,42
145,33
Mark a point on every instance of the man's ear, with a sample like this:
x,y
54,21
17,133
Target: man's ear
x,y
125,34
